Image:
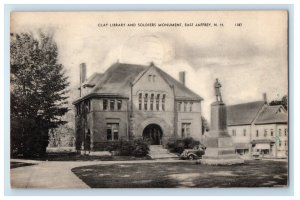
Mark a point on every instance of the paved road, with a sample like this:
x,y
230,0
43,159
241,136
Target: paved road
x,y
57,174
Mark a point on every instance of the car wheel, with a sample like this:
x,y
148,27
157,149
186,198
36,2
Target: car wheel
x,y
191,157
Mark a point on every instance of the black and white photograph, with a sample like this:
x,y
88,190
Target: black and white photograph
x,y
149,99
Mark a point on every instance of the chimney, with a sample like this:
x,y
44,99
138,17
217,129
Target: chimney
x,y
182,77
82,72
265,97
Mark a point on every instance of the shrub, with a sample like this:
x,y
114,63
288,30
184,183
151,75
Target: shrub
x,y
179,145
141,148
112,146
126,148
137,148
190,143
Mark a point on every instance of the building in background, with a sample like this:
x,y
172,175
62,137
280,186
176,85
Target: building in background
x,y
134,101
257,127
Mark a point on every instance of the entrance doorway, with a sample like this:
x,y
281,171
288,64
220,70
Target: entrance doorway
x,y
153,134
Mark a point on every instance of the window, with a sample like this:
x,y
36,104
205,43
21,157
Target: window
x,y
191,106
285,132
272,132
140,101
285,143
245,132
163,102
279,132
146,101
265,133
151,101
105,103
153,76
279,143
119,104
112,104
87,105
179,106
149,78
157,102
112,131
257,133
185,129
233,132
184,106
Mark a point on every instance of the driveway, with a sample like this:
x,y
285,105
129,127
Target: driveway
x,y
57,174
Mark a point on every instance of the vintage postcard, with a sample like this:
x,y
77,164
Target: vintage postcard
x,y
149,99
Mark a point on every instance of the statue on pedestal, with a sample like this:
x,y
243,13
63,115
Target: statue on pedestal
x,y
217,90
220,147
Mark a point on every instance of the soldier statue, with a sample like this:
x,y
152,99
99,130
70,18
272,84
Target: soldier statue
x,y
218,91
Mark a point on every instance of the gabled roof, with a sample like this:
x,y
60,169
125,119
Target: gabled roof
x,y
117,80
272,114
181,91
92,80
243,114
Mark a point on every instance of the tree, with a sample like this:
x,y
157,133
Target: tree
x,y
38,92
283,102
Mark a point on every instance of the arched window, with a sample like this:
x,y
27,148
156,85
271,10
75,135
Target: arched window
x,y
119,104
146,101
112,104
157,102
140,101
105,103
151,101
163,102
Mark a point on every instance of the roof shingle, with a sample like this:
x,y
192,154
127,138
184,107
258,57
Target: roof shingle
x,y
243,114
272,114
118,78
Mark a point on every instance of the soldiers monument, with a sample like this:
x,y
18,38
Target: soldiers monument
x,y
220,149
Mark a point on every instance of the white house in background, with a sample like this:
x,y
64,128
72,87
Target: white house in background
x,y
259,127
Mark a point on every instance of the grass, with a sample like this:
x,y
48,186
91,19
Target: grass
x,y
73,156
254,173
19,164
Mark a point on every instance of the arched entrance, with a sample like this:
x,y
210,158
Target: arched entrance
x,y
153,133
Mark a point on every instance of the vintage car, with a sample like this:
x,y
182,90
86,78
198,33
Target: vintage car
x,y
193,154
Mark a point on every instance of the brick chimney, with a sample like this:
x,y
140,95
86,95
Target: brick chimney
x,y
82,72
182,77
265,97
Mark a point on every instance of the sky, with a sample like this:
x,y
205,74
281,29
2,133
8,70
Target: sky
x,y
246,50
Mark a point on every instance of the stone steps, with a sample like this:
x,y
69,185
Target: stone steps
x,y
158,152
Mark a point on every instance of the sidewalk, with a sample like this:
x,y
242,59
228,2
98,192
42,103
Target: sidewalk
x,y
58,174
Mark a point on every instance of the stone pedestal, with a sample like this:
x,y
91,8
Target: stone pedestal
x,y
219,145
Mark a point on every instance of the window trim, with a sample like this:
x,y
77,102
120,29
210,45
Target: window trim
x,y
112,131
112,102
105,108
119,104
184,127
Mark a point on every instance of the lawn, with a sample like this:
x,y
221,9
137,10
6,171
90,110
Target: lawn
x,y
19,164
255,173
73,156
